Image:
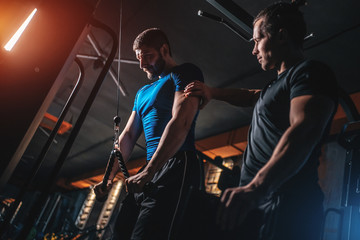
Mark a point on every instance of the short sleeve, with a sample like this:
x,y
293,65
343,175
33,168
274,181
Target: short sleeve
x,y
313,78
136,100
184,74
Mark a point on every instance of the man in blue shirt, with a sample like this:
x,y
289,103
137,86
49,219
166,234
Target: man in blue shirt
x,y
167,119
279,197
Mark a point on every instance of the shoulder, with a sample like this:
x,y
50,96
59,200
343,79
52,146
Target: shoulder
x,y
188,71
313,77
314,70
186,67
314,67
142,89
184,74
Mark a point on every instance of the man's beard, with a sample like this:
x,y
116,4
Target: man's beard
x,y
157,69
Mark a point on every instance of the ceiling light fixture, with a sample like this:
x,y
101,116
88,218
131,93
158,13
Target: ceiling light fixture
x,y
18,33
235,13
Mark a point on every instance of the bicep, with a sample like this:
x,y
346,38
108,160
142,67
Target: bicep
x,y
185,108
311,111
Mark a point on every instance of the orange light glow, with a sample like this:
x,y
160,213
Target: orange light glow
x,y
18,33
49,122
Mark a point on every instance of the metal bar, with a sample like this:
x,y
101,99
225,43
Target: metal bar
x,y
115,60
227,24
235,13
47,134
117,82
51,213
42,211
64,153
127,61
44,150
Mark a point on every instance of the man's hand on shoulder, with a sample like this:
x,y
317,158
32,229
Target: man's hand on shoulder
x,y
199,89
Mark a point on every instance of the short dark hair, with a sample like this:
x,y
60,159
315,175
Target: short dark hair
x,y
152,37
284,15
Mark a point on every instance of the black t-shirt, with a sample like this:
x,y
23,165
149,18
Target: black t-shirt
x,y
271,117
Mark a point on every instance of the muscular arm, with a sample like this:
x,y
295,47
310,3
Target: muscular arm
x,y
127,140
239,97
183,113
308,118
236,96
126,143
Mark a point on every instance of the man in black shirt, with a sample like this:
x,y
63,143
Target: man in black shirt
x,y
279,197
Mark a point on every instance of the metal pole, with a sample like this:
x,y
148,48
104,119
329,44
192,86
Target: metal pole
x,y
44,150
33,213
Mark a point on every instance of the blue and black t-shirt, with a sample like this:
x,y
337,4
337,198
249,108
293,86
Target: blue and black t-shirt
x,y
153,104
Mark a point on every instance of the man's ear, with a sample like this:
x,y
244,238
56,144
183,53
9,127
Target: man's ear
x,y
164,50
283,35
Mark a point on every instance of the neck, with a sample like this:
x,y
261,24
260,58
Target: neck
x,y
169,64
290,60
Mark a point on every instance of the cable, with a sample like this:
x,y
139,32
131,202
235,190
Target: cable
x,y
114,152
119,50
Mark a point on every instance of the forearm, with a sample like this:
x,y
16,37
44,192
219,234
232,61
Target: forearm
x,y
126,145
125,149
172,139
126,141
238,97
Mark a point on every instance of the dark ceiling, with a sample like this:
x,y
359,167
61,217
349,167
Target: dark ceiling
x,y
223,56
